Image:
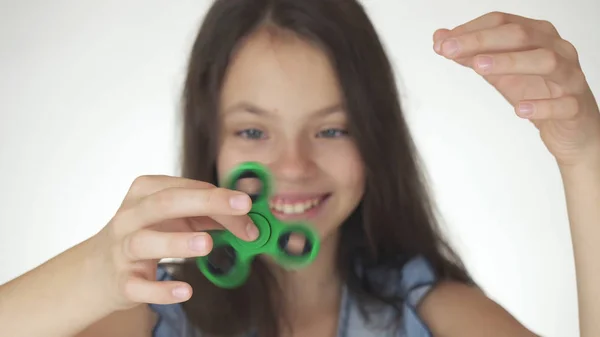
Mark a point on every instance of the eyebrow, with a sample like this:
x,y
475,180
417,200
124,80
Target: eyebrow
x,y
244,106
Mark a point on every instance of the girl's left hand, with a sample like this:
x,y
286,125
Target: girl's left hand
x,y
538,72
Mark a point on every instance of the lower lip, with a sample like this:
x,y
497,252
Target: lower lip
x,y
309,214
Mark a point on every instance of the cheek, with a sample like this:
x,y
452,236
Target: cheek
x,y
351,177
346,167
228,157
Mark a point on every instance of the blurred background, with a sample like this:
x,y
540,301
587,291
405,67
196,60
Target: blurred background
x,y
89,99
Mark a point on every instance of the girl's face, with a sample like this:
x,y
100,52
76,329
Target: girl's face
x,y
281,105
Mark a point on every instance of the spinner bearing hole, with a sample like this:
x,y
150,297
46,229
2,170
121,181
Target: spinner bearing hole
x,y
295,244
250,183
221,260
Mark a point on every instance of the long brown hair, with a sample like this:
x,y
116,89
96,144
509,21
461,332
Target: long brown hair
x,y
394,222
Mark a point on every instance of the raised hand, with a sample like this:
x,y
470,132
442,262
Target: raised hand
x,y
539,74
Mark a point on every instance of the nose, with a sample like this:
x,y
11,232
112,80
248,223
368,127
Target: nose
x,y
294,162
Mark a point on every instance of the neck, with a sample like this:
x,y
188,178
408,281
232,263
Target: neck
x,y
316,288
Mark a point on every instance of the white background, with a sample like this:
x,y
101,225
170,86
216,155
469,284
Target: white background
x,y
89,98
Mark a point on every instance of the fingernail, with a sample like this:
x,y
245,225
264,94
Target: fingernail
x,y
450,47
239,202
484,63
526,109
437,46
252,231
181,292
198,243
439,38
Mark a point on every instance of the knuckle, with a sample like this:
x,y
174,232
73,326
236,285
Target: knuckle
x,y
551,61
497,18
216,200
568,48
112,239
128,288
547,26
114,229
510,61
209,197
162,201
143,184
222,193
550,109
479,39
579,82
176,245
207,185
141,181
520,33
574,106
171,245
118,255
131,246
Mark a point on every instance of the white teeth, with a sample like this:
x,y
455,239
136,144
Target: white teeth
x,y
294,208
288,209
299,208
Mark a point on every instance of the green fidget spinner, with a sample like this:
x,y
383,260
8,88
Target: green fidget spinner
x,y
230,270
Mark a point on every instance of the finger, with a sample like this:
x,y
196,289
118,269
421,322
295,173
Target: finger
x,y
566,107
195,224
441,34
149,184
486,21
510,37
176,203
241,226
151,245
465,61
497,19
541,62
139,290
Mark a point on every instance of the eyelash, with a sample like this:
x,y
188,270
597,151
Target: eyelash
x,y
251,133
244,133
339,133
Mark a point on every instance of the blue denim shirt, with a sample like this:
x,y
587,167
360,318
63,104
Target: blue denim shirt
x,y
413,282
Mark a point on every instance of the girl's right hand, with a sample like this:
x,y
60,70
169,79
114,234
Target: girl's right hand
x,y
164,217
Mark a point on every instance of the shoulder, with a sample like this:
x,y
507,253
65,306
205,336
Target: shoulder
x,y
170,319
440,308
409,280
449,308
415,282
456,309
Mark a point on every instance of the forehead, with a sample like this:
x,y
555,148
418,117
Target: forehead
x,y
280,73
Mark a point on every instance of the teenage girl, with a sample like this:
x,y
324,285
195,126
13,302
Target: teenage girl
x,y
305,88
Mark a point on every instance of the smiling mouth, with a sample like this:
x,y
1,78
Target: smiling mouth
x,y
296,206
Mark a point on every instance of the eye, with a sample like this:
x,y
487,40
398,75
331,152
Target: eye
x,y
251,134
332,133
